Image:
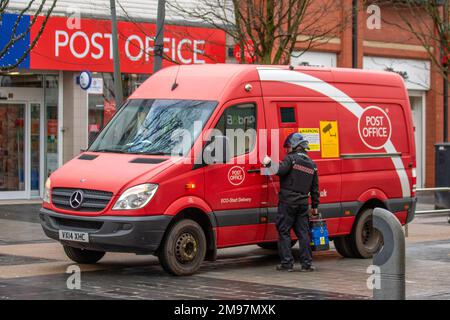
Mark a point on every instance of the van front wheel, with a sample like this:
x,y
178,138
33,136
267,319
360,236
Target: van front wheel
x,y
83,256
183,249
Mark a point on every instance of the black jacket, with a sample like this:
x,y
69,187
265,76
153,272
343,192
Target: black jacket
x,y
298,180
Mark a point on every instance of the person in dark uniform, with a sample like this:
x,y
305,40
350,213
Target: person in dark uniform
x,y
298,181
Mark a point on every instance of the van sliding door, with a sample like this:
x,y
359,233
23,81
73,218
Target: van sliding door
x,y
235,190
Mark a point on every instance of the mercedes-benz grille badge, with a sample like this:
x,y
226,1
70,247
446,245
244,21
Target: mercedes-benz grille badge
x,y
76,199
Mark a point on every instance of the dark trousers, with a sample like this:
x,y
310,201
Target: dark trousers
x,y
288,217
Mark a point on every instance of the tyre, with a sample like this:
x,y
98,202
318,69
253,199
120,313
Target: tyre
x,y
273,245
83,256
344,247
365,240
183,249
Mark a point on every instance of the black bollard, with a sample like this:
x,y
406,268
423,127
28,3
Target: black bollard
x,y
391,258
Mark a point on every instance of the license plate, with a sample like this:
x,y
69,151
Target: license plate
x,y
73,236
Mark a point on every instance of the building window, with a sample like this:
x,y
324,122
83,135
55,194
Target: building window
x,y
14,79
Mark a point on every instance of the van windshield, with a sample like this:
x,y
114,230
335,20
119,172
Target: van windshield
x,y
154,127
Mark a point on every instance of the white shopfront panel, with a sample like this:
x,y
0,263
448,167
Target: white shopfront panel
x,y
314,58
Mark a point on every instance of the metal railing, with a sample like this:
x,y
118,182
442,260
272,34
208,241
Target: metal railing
x,y
439,189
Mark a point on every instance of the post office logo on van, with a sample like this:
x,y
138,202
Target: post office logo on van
x,y
375,127
236,175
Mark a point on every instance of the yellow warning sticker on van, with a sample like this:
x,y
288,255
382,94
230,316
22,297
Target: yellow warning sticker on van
x,y
329,139
312,135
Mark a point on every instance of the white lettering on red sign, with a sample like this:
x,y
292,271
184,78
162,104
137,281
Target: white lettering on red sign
x,y
374,127
186,51
235,200
89,46
249,52
236,175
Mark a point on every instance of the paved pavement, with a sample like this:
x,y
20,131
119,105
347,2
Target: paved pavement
x,y
34,267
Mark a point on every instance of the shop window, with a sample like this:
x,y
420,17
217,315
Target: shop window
x,y
12,146
101,100
51,128
35,143
15,79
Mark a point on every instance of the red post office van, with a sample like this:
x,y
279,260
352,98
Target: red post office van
x,y
143,186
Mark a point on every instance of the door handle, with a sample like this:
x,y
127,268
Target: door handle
x,y
254,170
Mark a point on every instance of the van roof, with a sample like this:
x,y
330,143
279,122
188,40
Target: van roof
x,y
215,81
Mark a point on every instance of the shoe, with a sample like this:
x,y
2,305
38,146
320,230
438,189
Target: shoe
x,y
280,267
310,268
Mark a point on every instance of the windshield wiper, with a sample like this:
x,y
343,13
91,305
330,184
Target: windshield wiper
x,y
151,153
154,153
108,150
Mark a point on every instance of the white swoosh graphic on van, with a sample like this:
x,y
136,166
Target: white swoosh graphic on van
x,y
318,85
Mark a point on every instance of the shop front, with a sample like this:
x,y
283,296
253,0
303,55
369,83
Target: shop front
x,y
46,118
28,132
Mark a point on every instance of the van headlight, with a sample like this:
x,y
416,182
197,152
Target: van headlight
x,y
47,189
136,197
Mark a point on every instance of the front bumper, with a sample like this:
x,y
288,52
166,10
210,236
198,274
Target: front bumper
x,y
140,235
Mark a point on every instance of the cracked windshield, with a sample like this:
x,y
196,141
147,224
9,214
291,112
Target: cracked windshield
x,y
155,127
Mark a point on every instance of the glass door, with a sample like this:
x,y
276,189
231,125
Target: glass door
x,y
35,149
12,150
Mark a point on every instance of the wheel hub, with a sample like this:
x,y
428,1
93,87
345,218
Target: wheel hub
x,y
370,236
367,232
186,248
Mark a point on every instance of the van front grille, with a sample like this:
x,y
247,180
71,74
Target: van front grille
x,y
77,224
93,200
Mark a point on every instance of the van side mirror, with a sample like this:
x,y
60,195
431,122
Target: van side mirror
x,y
217,151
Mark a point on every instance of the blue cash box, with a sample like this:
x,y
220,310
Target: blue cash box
x,y
319,235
